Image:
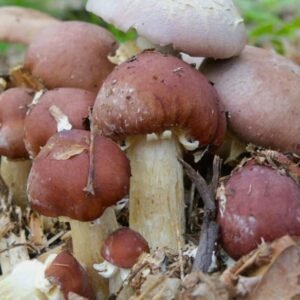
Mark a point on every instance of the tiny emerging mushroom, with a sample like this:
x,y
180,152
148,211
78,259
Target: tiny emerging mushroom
x,y
120,250
60,277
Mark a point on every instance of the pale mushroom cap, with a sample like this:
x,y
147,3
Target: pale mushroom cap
x,y
260,91
201,28
21,25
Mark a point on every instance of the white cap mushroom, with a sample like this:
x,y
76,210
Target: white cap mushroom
x,y
200,28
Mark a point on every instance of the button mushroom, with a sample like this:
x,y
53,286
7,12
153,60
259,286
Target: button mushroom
x,y
156,100
71,54
57,110
257,203
57,187
260,91
120,250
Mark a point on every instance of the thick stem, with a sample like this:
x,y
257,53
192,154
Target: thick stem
x,y
15,174
87,240
156,203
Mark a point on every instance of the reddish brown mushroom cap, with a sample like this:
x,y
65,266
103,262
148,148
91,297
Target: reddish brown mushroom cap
x,y
59,175
13,107
40,124
66,272
153,92
123,247
260,204
71,54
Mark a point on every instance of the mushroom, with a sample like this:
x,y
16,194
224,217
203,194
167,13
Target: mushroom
x,y
64,276
71,54
120,250
211,28
15,165
155,101
257,203
60,277
57,187
21,25
56,110
260,91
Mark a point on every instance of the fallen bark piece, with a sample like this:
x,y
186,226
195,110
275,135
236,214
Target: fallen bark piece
x,y
282,279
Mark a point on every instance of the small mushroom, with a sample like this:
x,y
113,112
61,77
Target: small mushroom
x,y
257,203
120,250
60,277
71,54
57,110
199,28
66,276
57,186
157,101
260,91
15,165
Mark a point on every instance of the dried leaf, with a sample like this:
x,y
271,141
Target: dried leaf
x,y
201,286
37,236
67,153
282,280
20,77
62,121
158,287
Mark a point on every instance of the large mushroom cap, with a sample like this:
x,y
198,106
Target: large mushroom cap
x,y
59,176
153,92
13,107
58,108
258,204
261,92
123,247
71,54
200,28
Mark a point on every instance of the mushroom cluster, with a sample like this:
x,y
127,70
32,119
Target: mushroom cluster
x,y
93,132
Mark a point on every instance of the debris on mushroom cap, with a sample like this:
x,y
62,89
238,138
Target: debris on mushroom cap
x,y
59,176
260,91
21,25
13,107
40,123
66,272
257,203
71,54
200,28
123,247
153,92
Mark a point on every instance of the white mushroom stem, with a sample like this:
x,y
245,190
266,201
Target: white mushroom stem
x,y
15,174
117,276
87,240
156,190
21,25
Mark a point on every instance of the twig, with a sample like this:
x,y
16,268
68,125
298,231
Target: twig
x,y
90,183
209,230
